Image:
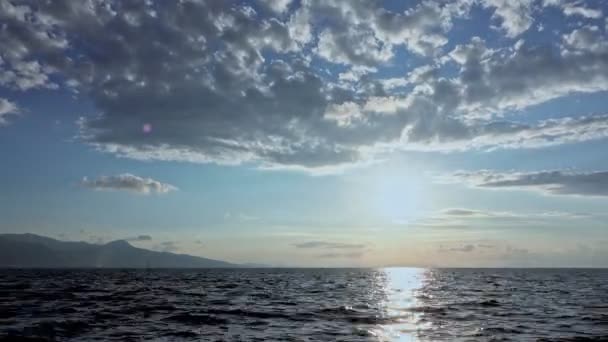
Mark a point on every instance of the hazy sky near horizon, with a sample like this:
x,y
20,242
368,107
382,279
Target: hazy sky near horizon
x,y
311,132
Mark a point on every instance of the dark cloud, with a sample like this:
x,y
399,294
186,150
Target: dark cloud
x,y
350,255
329,245
461,212
465,248
139,238
550,182
127,182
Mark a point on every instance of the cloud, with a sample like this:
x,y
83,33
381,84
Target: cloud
x,y
467,112
496,80
328,245
515,15
7,108
499,250
572,9
353,46
547,182
299,85
511,251
26,75
242,217
464,213
350,255
464,248
361,25
476,219
279,6
128,182
334,250
461,212
139,238
586,38
516,135
167,246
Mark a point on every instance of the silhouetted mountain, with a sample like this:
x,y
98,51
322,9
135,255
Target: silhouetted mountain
x,y
29,250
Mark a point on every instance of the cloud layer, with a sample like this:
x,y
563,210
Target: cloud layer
x,y
548,182
302,84
128,182
334,250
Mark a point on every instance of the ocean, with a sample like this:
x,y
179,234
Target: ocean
x,y
393,304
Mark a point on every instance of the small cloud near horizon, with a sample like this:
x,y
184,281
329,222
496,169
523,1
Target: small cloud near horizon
x,y
139,238
328,245
127,182
350,255
167,246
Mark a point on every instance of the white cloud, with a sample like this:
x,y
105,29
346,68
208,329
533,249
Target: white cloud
x,y
515,15
420,28
128,182
494,81
572,9
24,75
279,6
587,38
7,108
353,46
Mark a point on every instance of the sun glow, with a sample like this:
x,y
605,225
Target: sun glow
x,y
397,194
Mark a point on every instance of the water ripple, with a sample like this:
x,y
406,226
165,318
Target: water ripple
x,y
304,305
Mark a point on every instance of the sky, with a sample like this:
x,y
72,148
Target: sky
x,y
466,133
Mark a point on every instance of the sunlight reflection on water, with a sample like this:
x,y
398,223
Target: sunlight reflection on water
x,y
401,287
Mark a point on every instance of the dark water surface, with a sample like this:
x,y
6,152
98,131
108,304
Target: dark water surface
x,y
305,305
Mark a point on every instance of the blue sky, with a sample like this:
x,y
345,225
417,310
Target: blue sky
x,y
311,133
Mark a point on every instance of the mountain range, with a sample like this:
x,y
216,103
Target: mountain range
x,y
34,251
